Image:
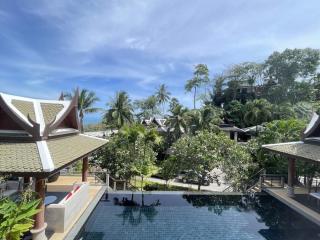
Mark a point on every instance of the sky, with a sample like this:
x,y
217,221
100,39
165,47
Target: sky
x,y
49,46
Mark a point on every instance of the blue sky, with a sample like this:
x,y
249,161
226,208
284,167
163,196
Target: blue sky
x,y
135,45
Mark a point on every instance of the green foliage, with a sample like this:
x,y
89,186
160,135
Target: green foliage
x,y
235,112
284,68
205,118
86,101
200,78
276,132
199,155
120,111
257,111
130,152
177,121
147,107
16,218
162,96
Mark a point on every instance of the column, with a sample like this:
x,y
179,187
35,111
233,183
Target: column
x,y
291,176
236,136
85,169
38,231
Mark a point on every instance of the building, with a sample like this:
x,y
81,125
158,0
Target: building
x,y
38,138
295,194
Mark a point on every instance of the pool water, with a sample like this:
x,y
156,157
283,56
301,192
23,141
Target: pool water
x,y
188,216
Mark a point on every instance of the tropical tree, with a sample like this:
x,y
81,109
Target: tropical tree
x,y
163,96
235,112
197,155
282,111
205,118
120,110
177,121
86,101
147,107
257,112
192,85
200,78
141,142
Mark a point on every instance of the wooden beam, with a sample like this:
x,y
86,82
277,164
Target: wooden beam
x,y
291,176
85,169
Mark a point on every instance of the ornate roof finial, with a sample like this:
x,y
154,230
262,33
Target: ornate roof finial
x,y
61,98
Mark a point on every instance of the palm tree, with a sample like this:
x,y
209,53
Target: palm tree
x,y
120,110
86,100
162,95
193,84
177,121
257,112
147,107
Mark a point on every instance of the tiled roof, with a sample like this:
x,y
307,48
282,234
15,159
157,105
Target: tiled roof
x,y
299,150
50,111
42,112
67,149
17,157
25,107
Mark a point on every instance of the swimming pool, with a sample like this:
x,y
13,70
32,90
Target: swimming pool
x,y
189,216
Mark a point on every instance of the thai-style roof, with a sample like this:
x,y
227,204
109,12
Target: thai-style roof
x,y
306,149
229,128
37,117
41,136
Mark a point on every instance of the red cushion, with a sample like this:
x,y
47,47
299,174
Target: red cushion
x,y
76,189
69,195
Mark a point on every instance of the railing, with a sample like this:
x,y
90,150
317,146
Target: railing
x,y
99,177
271,181
253,179
114,184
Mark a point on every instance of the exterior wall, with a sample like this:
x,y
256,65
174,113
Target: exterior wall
x,y
59,216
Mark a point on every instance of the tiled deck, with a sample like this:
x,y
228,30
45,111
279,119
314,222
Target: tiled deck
x,y
64,184
281,195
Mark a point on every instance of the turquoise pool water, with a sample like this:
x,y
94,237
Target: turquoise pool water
x,y
176,216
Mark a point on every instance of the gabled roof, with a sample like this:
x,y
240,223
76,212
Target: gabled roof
x,y
38,117
41,136
229,128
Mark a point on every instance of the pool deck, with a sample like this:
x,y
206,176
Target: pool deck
x,y
64,184
281,195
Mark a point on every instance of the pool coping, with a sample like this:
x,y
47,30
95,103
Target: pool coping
x,y
184,192
76,228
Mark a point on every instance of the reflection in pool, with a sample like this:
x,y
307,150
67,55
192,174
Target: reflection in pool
x,y
176,216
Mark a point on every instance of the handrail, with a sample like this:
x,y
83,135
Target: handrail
x,y
245,184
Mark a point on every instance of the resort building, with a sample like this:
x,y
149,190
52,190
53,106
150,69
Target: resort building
x,y
39,138
304,198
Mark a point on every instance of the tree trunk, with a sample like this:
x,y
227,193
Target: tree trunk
x,y
199,186
194,98
141,183
81,124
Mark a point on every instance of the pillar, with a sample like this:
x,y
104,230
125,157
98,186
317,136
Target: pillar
x,y
291,176
236,136
38,231
85,169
